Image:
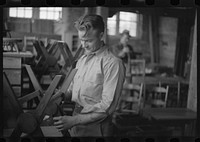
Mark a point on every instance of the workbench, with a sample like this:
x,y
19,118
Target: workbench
x,y
171,117
12,65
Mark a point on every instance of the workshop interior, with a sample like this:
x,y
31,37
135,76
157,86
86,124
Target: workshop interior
x,y
41,47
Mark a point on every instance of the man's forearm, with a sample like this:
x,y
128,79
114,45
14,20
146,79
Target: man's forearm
x,y
67,122
82,119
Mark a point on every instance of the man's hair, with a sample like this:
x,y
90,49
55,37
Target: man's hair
x,y
88,22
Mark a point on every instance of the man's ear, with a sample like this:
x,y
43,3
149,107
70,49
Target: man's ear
x,y
101,35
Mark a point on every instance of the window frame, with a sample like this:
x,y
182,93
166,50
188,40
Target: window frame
x,y
53,10
117,27
24,12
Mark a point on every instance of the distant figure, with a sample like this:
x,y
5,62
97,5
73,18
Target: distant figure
x,y
122,49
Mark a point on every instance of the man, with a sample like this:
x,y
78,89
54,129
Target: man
x,y
97,85
122,49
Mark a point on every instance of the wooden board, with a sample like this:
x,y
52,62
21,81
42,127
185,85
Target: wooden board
x,y
26,54
12,62
17,90
157,79
167,40
14,76
169,113
192,95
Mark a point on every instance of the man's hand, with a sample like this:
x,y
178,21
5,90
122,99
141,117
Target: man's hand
x,y
122,54
126,49
67,122
64,122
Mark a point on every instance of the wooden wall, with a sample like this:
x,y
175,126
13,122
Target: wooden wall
x,y
38,26
192,94
167,40
66,26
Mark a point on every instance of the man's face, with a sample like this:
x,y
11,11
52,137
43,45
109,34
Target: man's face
x,y
92,41
124,39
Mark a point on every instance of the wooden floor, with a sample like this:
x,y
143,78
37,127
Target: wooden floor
x,y
48,131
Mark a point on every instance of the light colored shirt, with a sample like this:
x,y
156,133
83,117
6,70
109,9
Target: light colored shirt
x,y
98,82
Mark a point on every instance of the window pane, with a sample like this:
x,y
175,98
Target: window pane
x,y
56,15
111,30
20,13
13,12
28,13
20,8
111,25
50,15
43,14
133,30
28,8
122,26
58,8
43,8
128,16
50,8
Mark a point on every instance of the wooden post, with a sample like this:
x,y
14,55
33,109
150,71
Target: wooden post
x,y
192,93
154,26
103,11
151,40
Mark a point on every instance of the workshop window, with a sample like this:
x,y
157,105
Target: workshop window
x,y
121,21
21,12
51,13
111,26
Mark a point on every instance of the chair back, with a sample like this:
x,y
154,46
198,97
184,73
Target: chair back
x,y
137,67
132,101
160,96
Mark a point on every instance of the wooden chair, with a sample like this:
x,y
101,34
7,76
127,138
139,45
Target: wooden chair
x,y
132,101
159,96
127,117
137,67
173,94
